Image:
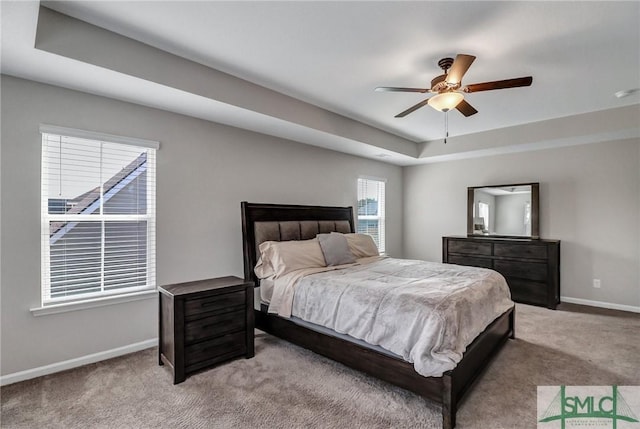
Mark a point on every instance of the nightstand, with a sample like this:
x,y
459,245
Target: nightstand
x,y
203,323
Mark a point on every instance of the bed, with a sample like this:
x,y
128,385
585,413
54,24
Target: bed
x,y
273,222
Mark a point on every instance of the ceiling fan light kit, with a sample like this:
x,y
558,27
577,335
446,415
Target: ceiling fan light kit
x,y
446,101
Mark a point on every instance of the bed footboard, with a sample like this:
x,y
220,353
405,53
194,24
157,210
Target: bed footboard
x,y
477,357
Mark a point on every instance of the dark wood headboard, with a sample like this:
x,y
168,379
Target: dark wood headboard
x,y
252,213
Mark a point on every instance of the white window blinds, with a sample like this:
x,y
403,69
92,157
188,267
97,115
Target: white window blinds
x,y
98,217
371,207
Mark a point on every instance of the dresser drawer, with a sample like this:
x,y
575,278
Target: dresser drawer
x,y
234,343
196,306
214,325
520,250
460,246
522,270
528,291
471,261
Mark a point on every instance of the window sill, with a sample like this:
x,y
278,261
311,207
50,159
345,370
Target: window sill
x,y
92,303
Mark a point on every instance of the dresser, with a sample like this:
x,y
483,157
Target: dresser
x,y
531,267
203,323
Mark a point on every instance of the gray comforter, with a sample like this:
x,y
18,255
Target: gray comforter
x,y
426,312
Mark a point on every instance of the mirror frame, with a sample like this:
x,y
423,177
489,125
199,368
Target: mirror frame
x,y
535,209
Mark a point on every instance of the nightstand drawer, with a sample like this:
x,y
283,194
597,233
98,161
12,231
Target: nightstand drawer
x,y
195,306
215,325
234,344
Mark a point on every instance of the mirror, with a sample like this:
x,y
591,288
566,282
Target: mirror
x,y
503,210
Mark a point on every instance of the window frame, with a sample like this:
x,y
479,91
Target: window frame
x,y
103,296
381,216
482,209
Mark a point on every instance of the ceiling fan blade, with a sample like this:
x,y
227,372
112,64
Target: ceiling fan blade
x,y
396,89
499,84
466,109
459,68
412,108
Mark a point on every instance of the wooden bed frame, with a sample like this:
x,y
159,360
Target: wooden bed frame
x,y
447,390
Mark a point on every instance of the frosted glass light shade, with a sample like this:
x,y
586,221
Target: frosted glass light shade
x,y
445,101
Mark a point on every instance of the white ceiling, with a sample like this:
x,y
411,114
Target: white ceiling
x,y
333,54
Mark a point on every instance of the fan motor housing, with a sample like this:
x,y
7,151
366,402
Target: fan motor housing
x,y
438,83
445,63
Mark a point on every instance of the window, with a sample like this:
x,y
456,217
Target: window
x,y
483,211
98,215
371,210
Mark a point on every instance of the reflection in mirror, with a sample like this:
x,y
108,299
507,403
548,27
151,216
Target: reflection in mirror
x,y
506,210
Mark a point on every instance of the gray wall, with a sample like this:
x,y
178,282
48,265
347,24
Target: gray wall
x,y
204,171
589,199
509,214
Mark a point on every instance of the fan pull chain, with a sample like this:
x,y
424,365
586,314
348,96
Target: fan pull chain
x,y
446,126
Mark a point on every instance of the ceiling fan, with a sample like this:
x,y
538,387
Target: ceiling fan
x,y
449,90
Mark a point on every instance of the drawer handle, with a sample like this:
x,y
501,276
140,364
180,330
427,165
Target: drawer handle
x,y
211,325
216,302
217,346
213,302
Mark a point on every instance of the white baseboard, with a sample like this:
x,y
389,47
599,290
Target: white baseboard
x,y
76,362
600,304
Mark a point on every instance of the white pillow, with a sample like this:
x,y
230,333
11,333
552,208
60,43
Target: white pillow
x,y
362,245
278,258
263,269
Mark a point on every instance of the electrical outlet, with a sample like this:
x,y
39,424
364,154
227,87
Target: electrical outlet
x,y
596,283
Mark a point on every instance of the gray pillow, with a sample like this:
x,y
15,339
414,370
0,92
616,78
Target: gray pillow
x,y
335,249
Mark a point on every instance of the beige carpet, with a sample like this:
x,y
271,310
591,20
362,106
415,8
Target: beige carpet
x,y
287,387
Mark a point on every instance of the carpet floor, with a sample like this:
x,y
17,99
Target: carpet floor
x,y
284,386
